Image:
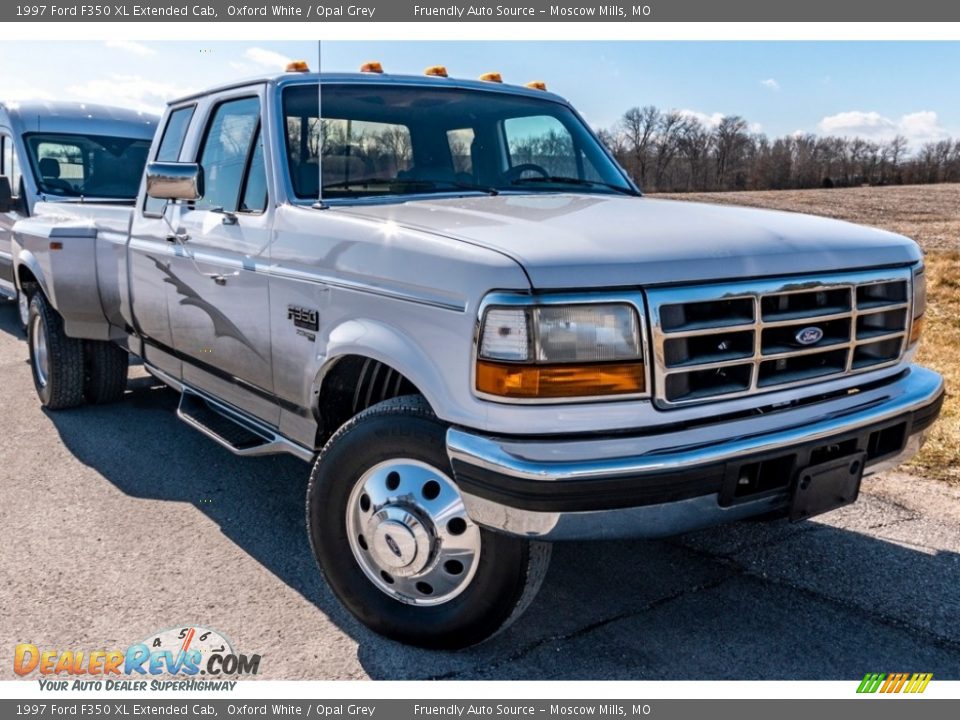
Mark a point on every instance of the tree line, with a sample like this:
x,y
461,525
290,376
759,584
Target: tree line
x,y
673,151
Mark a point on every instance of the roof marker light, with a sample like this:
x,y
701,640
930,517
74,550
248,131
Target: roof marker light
x,y
537,85
298,66
491,77
436,71
371,67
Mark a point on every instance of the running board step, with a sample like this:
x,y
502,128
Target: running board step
x,y
234,430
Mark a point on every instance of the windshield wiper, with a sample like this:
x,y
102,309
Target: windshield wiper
x,y
563,180
432,184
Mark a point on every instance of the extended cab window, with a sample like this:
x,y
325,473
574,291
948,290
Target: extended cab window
x,y
87,165
230,152
400,140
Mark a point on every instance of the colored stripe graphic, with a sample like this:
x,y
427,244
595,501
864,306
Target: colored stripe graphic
x,y
892,683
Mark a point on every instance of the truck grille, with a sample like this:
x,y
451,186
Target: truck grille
x,y
734,339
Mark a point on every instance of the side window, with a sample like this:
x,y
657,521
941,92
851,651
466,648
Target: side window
x,y
171,143
460,142
541,140
255,186
226,152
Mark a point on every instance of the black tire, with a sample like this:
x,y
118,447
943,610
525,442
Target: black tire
x,y
106,372
23,299
62,386
509,570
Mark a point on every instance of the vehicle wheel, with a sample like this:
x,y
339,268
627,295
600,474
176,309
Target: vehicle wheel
x,y
55,359
388,527
106,372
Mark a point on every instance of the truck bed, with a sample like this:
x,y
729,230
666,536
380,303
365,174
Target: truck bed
x,y
77,250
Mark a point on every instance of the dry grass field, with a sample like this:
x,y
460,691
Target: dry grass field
x,y
930,214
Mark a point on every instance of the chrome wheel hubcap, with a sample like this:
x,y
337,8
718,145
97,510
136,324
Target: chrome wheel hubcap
x,y
410,533
41,360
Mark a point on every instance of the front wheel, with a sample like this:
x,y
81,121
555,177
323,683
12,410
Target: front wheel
x,y
390,532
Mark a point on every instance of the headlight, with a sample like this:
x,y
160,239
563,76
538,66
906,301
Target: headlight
x,y
919,304
560,351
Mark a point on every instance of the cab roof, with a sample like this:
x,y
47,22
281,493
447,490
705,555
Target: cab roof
x,y
76,117
360,78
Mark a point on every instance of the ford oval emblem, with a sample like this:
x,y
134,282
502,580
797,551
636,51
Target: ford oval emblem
x,y
809,336
394,548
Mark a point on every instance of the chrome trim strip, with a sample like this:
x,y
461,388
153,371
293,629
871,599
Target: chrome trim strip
x,y
754,291
917,390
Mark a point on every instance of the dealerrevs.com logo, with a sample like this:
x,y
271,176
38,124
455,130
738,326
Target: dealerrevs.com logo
x,y
184,652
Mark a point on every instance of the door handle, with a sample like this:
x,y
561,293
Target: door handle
x,y
219,279
180,237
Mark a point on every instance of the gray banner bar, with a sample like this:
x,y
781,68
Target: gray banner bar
x,y
874,708
509,10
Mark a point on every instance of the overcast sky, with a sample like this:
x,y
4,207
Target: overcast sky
x,y
871,89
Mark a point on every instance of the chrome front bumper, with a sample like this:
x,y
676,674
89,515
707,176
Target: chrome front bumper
x,y
655,485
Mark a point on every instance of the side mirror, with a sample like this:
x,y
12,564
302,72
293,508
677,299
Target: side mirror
x,y
174,181
6,195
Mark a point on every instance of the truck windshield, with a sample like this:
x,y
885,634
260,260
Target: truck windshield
x,y
406,140
96,166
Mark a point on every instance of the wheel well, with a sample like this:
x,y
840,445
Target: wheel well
x,y
27,279
353,384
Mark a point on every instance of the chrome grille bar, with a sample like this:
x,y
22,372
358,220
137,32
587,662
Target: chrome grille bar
x,y
729,340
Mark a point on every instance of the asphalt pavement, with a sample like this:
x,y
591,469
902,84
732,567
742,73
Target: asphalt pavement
x,y
119,521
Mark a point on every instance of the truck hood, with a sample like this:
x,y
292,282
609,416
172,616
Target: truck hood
x,y
586,241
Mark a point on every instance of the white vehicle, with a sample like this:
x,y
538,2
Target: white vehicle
x,y
65,152
449,299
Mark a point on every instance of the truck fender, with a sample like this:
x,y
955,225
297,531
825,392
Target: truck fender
x,y
27,259
378,341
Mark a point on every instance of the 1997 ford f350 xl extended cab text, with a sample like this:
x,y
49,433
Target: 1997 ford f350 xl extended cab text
x,y
449,298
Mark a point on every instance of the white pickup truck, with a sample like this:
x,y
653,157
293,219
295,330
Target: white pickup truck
x,y
68,152
449,298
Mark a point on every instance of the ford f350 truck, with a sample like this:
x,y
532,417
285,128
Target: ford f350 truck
x,y
449,298
65,152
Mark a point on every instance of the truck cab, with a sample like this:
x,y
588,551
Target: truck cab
x,y
65,152
448,298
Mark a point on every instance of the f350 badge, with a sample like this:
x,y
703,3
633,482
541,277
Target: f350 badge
x,y
303,319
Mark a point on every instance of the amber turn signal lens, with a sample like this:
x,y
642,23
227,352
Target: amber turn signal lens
x,y
559,381
537,85
492,77
436,71
371,67
916,331
298,66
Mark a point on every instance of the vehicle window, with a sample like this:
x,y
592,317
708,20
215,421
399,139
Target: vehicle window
x,y
9,165
87,165
169,151
255,188
460,142
356,154
542,141
174,134
226,150
392,140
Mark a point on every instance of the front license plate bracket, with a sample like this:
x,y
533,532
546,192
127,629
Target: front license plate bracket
x,y
827,486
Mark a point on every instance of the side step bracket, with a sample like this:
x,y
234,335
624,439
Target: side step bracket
x,y
234,430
